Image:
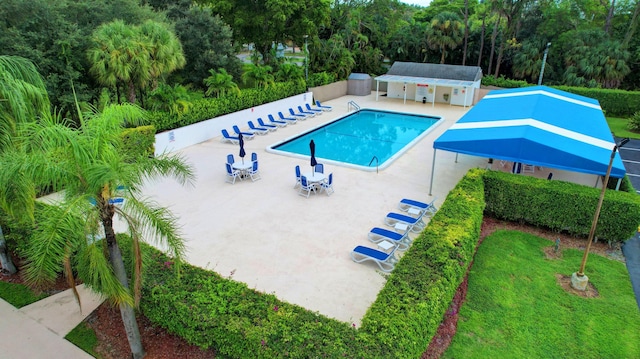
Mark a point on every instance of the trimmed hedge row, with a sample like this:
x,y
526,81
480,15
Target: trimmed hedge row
x,y
619,103
211,311
208,108
561,206
139,141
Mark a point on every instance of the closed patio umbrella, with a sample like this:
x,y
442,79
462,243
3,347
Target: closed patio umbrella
x,y
242,152
312,147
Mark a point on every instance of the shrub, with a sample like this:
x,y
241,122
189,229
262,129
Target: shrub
x,y
503,82
139,141
634,122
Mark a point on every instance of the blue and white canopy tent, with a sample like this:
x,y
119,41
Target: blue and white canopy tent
x,y
535,125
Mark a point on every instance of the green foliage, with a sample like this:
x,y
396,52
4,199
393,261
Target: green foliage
x,y
208,108
619,128
515,303
175,100
321,79
84,337
503,82
214,312
19,295
139,141
561,206
634,122
613,102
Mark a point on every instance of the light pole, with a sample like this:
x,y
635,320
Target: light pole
x,y
579,280
306,59
544,61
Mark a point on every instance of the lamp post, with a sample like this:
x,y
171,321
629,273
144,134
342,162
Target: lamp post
x,y
306,59
579,280
544,61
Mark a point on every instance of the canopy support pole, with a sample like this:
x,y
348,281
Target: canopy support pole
x,y
597,180
456,161
433,167
618,184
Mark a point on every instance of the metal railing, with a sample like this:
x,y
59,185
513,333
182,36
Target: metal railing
x,y
370,162
352,104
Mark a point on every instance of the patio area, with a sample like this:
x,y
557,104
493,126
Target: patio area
x,y
264,234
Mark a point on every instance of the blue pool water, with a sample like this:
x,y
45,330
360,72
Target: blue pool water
x,y
355,139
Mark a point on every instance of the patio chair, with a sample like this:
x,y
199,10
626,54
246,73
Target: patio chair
x,y
288,119
323,107
407,204
298,175
317,111
245,135
253,172
232,174
306,187
305,112
402,240
275,123
263,125
297,116
386,261
230,159
327,186
413,224
226,137
254,156
319,168
257,130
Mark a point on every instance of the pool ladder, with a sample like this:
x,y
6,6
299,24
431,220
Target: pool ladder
x,y
370,162
352,104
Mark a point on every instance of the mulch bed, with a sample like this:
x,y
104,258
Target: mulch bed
x,y
159,344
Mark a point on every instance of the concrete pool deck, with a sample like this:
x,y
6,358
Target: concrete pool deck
x,y
264,234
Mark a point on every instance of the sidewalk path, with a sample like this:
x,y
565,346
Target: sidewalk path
x,y
631,251
38,330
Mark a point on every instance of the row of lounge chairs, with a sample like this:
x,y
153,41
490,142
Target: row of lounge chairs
x,y
387,239
262,127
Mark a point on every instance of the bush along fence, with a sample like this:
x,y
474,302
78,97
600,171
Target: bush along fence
x,y
215,312
208,108
561,206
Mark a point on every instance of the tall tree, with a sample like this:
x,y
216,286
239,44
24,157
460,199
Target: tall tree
x,y
445,33
75,236
164,49
23,99
220,83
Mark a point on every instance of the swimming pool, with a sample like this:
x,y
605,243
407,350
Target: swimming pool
x,y
357,138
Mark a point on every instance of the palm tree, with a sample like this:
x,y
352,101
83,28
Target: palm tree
x,y
260,75
76,234
164,49
445,33
118,58
220,83
23,98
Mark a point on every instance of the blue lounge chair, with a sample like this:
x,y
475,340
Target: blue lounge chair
x,y
263,125
377,235
323,107
304,112
312,109
291,121
275,123
413,224
408,204
386,261
298,116
245,135
226,137
287,119
257,130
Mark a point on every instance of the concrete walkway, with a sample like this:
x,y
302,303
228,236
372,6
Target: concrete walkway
x,y
631,251
38,330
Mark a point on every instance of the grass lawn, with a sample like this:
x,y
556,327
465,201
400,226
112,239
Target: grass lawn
x,y
515,307
84,338
18,295
619,128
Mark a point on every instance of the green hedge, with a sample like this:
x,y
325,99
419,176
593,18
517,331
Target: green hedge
x,y
208,108
618,103
214,312
139,141
561,206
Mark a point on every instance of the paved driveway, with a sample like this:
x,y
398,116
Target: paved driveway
x,y
630,154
